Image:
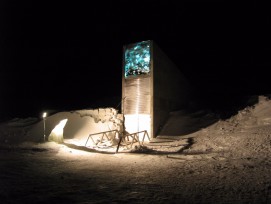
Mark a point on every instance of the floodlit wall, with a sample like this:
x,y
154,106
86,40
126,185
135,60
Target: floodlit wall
x,y
170,88
137,104
136,92
152,86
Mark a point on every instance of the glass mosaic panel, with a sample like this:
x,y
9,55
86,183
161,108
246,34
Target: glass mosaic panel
x,y
137,59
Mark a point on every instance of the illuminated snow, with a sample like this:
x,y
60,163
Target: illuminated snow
x,y
229,161
57,133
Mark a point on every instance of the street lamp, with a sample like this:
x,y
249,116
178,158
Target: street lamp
x,y
44,118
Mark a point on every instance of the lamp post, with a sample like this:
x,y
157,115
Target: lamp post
x,y
44,118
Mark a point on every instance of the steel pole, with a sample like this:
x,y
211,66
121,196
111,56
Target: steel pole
x,y
44,129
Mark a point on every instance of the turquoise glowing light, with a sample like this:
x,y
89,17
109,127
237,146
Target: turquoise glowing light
x,y
137,59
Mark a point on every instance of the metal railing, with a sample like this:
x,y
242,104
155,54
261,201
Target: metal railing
x,y
104,134
135,137
122,138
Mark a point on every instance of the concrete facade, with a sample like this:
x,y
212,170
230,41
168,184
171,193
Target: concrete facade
x,y
148,98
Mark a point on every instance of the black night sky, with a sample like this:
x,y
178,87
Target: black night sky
x,y
68,55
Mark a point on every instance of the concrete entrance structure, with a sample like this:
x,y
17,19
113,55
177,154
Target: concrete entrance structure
x,y
152,87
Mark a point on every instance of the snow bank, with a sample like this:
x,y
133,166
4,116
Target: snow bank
x,y
79,125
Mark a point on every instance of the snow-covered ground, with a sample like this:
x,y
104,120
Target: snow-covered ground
x,y
197,158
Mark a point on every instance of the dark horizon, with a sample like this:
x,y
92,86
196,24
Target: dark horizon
x,y
57,56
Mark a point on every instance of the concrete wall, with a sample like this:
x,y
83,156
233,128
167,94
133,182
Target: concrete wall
x,y
167,90
170,88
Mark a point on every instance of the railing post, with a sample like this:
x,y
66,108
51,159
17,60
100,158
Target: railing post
x,y
87,141
120,138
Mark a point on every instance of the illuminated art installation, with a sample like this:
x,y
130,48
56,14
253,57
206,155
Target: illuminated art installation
x,y
137,59
152,86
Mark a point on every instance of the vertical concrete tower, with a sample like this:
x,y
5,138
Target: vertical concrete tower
x,y
152,86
